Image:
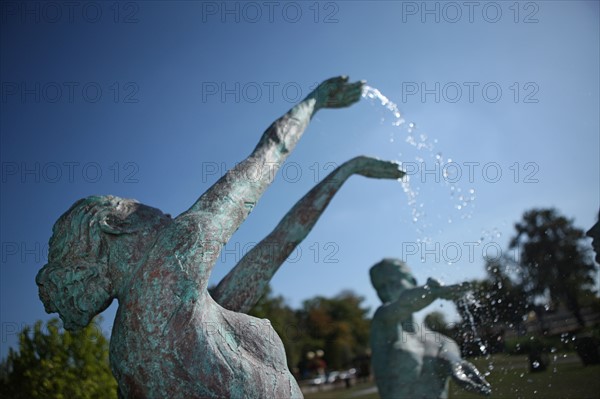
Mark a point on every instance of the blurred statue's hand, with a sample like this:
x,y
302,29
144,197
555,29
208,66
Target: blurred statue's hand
x,y
433,283
450,292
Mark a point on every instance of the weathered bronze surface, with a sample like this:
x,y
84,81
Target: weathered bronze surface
x,y
170,338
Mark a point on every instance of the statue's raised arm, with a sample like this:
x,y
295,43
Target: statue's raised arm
x,y
219,212
245,284
170,338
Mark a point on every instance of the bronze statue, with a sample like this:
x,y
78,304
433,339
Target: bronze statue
x,y
409,361
170,338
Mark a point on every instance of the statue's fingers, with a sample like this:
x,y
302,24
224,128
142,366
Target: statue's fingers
x,y
357,85
338,81
354,90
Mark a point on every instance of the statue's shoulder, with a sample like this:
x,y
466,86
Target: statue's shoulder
x,y
382,324
388,313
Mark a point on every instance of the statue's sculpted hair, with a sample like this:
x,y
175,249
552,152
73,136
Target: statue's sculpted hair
x,y
78,229
76,282
389,266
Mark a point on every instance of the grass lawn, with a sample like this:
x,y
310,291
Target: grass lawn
x,y
564,378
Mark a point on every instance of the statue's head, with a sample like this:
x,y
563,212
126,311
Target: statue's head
x,y
594,232
390,277
78,281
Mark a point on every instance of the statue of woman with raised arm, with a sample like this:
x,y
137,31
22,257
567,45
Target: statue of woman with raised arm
x,y
170,338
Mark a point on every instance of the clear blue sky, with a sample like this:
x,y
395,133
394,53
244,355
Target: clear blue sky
x,y
144,99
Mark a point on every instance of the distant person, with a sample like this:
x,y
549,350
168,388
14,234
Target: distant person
x,y
594,233
411,361
588,347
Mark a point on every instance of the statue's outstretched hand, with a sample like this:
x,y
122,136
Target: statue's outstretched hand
x,y
469,378
450,292
337,93
377,168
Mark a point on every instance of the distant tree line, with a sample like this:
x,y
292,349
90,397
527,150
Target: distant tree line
x,y
337,326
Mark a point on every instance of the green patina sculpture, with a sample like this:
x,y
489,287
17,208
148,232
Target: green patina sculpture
x,y
410,361
170,338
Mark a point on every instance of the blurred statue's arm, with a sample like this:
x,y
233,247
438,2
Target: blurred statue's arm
x,y
224,206
414,299
245,284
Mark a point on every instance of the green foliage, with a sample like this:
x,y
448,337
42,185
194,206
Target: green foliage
x,y
497,299
339,326
56,364
554,264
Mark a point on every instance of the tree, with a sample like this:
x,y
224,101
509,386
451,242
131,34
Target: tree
x,y
56,364
554,265
338,325
495,303
504,299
